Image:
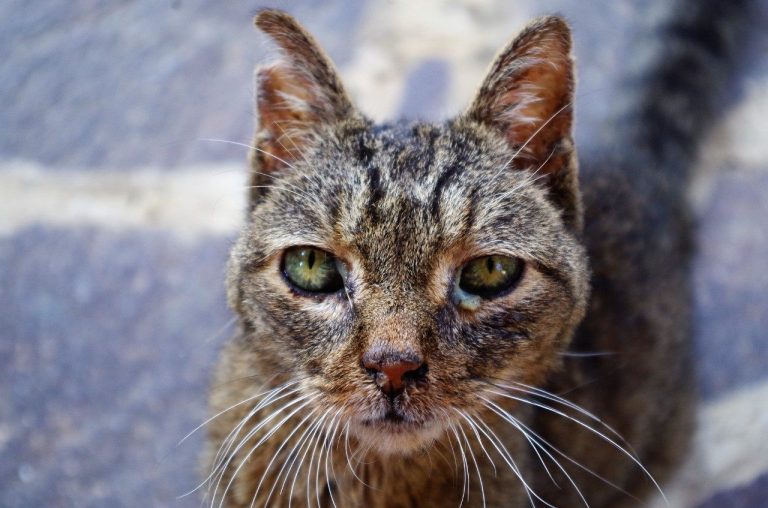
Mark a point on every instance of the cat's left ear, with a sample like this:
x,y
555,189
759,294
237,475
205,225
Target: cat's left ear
x,y
527,97
296,96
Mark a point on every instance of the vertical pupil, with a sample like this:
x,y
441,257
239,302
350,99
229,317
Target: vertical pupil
x,y
489,264
311,259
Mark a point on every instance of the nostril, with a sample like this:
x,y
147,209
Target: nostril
x,y
392,369
392,377
416,375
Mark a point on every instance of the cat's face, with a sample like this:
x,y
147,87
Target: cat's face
x,y
399,271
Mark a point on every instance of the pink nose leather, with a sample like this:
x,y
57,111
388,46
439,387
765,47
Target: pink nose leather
x,y
390,375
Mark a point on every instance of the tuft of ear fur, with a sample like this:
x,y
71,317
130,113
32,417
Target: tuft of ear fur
x,y
295,97
527,97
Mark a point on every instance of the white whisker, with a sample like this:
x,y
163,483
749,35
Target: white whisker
x,y
321,432
574,354
540,392
286,440
591,429
304,400
229,441
465,485
309,442
498,444
209,420
472,425
329,449
474,461
288,462
516,423
269,398
571,460
245,145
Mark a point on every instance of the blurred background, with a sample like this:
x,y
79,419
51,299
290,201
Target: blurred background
x,y
116,215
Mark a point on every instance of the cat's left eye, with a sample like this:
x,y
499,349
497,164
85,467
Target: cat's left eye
x,y
312,270
486,277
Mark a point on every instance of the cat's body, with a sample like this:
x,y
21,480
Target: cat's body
x,y
401,387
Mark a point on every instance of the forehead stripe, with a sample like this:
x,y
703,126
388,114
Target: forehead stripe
x,y
442,180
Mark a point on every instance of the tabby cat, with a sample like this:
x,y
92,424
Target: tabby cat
x,y
415,319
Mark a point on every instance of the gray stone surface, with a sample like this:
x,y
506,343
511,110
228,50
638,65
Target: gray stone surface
x,y
731,284
132,83
107,340
747,496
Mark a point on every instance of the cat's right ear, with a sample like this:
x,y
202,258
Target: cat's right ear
x,y
527,98
296,96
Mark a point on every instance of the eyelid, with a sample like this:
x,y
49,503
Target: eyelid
x,y
330,283
468,300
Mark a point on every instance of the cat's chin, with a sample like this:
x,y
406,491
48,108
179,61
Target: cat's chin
x,y
397,436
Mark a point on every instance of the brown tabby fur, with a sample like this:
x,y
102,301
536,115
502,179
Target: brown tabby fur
x,y
403,206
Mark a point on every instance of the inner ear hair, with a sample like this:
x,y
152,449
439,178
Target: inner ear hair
x,y
302,52
527,98
527,95
296,97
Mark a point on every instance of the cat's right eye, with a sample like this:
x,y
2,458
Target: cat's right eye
x,y
312,270
484,278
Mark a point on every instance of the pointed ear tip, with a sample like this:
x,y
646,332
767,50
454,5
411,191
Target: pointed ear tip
x,y
557,23
269,19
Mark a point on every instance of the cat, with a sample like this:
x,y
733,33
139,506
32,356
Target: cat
x,y
449,314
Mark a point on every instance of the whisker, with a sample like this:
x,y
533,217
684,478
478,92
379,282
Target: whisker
x,y
575,354
288,462
329,449
269,399
540,392
294,456
515,423
349,298
534,449
305,401
285,134
502,450
573,461
304,456
472,425
286,440
541,127
224,464
302,195
465,486
245,145
453,454
594,431
322,431
221,330
209,420
531,177
346,453
474,461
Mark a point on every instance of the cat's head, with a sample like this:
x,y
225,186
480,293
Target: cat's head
x,y
398,271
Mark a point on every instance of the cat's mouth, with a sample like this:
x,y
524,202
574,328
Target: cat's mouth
x,y
397,432
394,420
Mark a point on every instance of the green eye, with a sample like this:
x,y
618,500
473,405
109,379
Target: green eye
x,y
312,270
487,277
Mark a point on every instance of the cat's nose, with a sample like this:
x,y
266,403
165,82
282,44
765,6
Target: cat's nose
x,y
392,371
